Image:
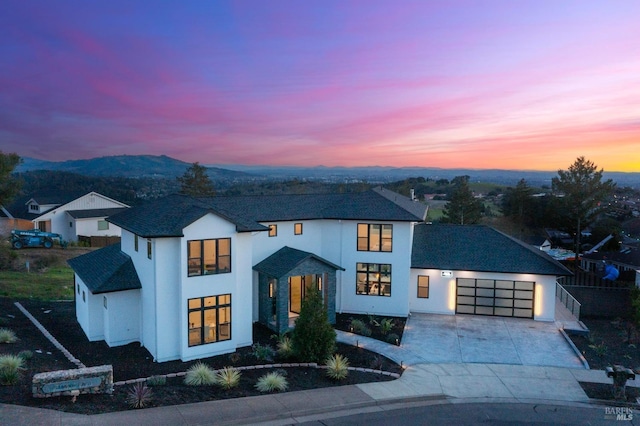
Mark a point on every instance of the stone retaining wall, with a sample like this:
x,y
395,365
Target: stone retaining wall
x,y
73,382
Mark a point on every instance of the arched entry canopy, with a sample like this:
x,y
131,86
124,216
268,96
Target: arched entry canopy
x,y
285,277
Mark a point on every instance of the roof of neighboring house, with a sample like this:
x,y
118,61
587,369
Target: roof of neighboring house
x,y
536,241
478,248
286,259
106,270
629,256
167,217
86,214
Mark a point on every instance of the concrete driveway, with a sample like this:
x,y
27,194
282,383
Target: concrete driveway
x,y
489,340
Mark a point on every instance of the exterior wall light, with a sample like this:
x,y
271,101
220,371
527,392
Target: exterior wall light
x,y
446,274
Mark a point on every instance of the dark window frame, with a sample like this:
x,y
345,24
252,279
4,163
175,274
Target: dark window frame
x,y
149,249
297,228
368,239
199,261
203,310
135,242
273,230
373,282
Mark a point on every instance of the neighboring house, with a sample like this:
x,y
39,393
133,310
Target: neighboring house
x,y
71,215
627,261
541,243
191,276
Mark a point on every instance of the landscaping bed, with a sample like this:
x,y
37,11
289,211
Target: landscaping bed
x,y
386,329
133,361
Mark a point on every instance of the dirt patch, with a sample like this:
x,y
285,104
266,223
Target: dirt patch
x,y
610,342
40,258
604,391
133,361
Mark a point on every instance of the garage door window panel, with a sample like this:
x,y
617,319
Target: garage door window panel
x,y
495,297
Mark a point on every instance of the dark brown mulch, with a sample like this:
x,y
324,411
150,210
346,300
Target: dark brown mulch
x,y
343,322
133,361
611,341
604,391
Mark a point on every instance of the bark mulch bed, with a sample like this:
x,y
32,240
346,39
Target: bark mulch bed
x,y
373,323
610,342
133,361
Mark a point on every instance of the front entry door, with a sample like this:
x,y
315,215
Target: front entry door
x,y
298,287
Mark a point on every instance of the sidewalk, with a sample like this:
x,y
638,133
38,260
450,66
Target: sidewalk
x,y
421,383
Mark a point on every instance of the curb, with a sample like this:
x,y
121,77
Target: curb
x,y
584,361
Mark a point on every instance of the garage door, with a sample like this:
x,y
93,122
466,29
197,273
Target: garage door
x,y
495,297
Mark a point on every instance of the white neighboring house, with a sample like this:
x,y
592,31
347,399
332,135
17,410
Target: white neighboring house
x,y
82,216
191,276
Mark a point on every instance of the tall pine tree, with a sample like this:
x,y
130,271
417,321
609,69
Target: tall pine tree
x,y
196,183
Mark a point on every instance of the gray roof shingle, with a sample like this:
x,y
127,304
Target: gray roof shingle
x,y
86,214
284,260
478,248
167,217
105,270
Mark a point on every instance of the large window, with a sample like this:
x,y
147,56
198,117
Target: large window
x,y
372,237
207,257
209,319
103,225
423,286
373,279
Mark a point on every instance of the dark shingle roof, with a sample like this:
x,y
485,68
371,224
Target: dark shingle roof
x,y
629,257
284,260
106,270
168,216
85,214
478,248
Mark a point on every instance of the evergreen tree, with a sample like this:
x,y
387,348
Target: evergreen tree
x,y
463,208
9,185
196,183
313,338
517,203
580,190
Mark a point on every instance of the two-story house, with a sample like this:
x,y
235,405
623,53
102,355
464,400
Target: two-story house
x,y
191,276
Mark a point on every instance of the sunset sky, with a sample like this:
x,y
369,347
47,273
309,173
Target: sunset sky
x,y
475,84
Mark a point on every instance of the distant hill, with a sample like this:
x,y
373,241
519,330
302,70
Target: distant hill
x,y
138,166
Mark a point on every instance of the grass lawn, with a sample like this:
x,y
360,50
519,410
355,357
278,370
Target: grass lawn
x,y
56,283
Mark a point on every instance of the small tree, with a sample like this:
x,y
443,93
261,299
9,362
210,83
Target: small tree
x,y
196,183
9,185
463,208
313,338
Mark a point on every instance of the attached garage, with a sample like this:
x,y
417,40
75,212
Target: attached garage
x,y
501,298
477,270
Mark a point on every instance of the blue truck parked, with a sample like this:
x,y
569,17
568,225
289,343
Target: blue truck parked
x,y
35,238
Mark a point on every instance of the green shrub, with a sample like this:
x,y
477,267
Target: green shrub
x,y
373,320
393,338
7,336
139,395
200,374
228,378
10,367
313,338
263,353
235,357
337,367
272,382
359,327
25,355
157,381
386,325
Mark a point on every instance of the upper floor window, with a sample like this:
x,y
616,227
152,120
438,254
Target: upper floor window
x,y
103,225
373,279
135,242
375,237
297,229
273,230
149,249
33,207
423,286
207,257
